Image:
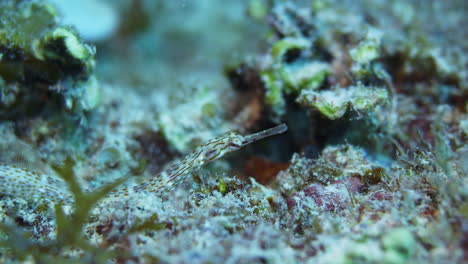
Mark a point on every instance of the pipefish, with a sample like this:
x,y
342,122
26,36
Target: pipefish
x,y
24,182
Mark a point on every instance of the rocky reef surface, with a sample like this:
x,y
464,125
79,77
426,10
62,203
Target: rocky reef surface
x,y
373,168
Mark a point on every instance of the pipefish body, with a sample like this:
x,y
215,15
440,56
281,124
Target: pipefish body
x,y
26,183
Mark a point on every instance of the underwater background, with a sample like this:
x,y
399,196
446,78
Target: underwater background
x,y
114,118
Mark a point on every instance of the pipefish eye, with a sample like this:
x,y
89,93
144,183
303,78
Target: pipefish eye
x,y
211,154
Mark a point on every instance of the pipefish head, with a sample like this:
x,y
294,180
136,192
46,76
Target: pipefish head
x,y
232,141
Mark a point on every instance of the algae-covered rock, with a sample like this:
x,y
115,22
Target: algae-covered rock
x,y
367,51
42,58
281,47
334,104
336,164
286,76
274,94
308,75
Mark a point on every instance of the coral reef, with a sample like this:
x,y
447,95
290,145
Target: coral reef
x,y
371,170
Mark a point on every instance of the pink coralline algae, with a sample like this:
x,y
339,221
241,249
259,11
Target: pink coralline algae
x,y
334,196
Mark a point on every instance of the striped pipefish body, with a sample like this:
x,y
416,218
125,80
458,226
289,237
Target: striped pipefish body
x,y
26,183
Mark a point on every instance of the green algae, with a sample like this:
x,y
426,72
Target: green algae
x,y
334,104
41,57
283,78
